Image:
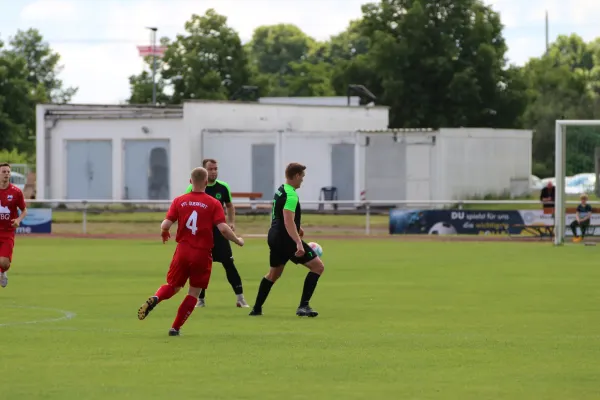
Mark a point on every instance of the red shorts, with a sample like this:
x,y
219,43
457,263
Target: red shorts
x,y
7,245
192,264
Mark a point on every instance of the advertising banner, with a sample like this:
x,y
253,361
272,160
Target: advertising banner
x,y
474,222
38,220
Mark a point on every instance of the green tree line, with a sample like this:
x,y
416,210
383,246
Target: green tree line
x,y
435,63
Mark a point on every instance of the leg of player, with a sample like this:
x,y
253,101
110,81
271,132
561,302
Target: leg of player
x,y
165,292
316,268
234,279
6,251
4,266
574,226
266,284
201,302
584,226
185,310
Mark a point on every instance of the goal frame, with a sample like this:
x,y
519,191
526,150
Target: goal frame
x,y
560,162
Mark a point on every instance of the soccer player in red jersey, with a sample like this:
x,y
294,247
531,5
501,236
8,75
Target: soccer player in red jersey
x,y
196,213
11,201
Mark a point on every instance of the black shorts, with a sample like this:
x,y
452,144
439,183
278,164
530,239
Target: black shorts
x,y
222,250
283,249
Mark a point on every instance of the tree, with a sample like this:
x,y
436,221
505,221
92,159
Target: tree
x,y
436,63
207,63
273,48
287,62
563,84
43,65
16,111
28,76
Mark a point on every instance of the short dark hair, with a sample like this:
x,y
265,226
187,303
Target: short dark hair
x,y
208,160
5,165
294,169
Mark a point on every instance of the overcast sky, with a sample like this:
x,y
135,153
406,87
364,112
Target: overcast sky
x,y
97,38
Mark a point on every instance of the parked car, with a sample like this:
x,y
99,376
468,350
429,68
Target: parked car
x,y
18,180
581,183
535,183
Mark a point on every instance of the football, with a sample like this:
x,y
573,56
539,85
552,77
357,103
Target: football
x,y
317,248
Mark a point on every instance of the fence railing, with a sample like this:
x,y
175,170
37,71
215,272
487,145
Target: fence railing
x,y
365,207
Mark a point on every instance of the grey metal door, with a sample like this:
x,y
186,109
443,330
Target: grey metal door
x,y
385,168
89,169
342,170
147,170
263,169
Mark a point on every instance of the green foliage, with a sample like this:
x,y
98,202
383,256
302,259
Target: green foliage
x,y
14,157
28,76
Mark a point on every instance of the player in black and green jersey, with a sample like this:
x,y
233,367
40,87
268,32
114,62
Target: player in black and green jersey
x,y
286,244
222,250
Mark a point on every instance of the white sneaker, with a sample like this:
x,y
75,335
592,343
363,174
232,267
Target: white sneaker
x,y
200,303
241,302
3,279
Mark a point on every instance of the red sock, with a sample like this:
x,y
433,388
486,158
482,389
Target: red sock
x,y
165,292
185,310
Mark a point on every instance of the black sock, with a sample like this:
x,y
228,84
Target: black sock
x,y
233,277
263,292
573,229
202,294
310,283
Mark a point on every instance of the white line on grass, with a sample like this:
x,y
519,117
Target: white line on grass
x,y
66,315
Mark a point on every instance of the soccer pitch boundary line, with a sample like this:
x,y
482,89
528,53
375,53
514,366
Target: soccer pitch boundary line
x,y
66,315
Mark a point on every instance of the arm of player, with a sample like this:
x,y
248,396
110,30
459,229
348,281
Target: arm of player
x,y
229,235
230,215
219,222
23,207
290,227
168,222
230,207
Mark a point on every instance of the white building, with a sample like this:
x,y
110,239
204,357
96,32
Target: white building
x,y
132,152
87,152
447,164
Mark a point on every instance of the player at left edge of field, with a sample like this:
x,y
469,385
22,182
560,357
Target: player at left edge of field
x,y
196,213
11,202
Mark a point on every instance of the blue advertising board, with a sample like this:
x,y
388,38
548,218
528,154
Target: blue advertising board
x,y
38,220
453,222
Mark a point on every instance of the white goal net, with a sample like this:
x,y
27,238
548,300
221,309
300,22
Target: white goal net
x,y
562,129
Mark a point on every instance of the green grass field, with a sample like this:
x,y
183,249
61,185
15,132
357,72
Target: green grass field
x,y
398,320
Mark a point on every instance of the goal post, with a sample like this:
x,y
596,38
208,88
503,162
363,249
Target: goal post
x,y
559,174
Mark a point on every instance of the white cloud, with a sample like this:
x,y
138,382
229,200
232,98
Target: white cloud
x,y
55,10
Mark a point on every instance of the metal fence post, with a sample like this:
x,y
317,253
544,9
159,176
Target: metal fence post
x,y
84,227
368,219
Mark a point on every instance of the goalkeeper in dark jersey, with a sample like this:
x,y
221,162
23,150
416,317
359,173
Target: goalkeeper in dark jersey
x,y
286,244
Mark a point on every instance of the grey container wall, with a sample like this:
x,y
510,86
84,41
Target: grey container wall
x,y
263,170
342,170
147,168
89,169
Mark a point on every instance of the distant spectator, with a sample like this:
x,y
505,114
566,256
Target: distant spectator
x,y
582,218
547,196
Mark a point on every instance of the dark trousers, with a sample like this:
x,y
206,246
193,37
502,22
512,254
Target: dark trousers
x,y
583,226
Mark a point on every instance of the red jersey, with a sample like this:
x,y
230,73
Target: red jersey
x,y
196,214
11,200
